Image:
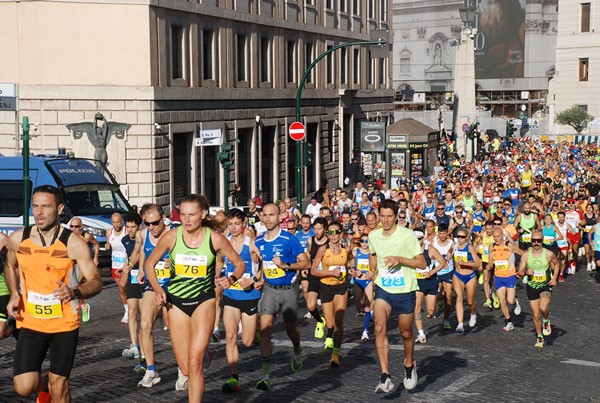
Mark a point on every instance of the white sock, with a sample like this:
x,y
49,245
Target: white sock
x,y
126,307
421,332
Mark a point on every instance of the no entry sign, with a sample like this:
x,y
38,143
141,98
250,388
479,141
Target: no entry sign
x,y
297,131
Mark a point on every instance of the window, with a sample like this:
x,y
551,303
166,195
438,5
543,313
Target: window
x,y
310,2
371,11
343,66
371,69
585,17
356,66
330,5
241,49
290,62
383,10
308,55
265,60
381,71
583,108
330,65
343,7
356,7
176,51
583,69
405,64
11,198
208,54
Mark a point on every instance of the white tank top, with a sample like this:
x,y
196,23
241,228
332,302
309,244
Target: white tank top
x,y
118,252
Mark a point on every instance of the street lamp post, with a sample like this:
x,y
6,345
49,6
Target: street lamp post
x,y
464,78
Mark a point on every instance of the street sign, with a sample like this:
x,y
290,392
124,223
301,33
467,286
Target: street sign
x,y
465,127
297,131
8,97
210,137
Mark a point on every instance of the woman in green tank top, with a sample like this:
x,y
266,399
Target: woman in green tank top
x,y
190,300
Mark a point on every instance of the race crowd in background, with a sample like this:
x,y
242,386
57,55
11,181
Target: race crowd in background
x,y
523,211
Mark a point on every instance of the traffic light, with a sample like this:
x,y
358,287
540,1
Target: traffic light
x,y
308,154
226,155
510,128
472,131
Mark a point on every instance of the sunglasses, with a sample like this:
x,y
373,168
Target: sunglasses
x,y
439,209
334,231
354,219
461,236
153,223
537,240
507,204
497,223
75,226
364,241
402,217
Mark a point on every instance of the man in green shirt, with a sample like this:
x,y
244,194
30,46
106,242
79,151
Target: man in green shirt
x,y
395,254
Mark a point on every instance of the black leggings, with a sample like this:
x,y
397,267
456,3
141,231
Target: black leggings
x,y
32,347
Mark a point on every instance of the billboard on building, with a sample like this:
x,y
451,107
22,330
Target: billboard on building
x,y
372,137
500,39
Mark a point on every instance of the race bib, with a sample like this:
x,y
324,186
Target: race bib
x,y
539,276
134,274
501,265
562,243
421,273
118,258
477,223
588,228
272,271
392,278
362,265
236,285
162,274
190,266
460,256
593,199
43,306
548,240
526,182
526,237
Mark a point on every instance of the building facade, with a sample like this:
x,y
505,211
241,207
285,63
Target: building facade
x,y
514,58
577,79
177,69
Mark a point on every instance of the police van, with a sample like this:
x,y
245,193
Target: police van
x,y
89,190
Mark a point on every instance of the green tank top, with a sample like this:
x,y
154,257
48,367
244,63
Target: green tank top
x,y
527,223
542,273
3,287
192,269
469,203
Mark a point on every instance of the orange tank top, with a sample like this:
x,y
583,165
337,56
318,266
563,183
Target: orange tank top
x,y
330,262
41,267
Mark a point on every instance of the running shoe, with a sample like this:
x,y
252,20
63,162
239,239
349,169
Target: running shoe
x,y
508,327
421,339
473,320
150,379
546,328
85,312
182,381
44,397
216,335
496,301
561,278
140,369
460,329
307,315
480,279
208,358
517,309
365,336
487,304
589,267
335,360
328,343
131,352
385,386
263,383
320,329
297,361
232,385
446,325
125,318
539,341
410,378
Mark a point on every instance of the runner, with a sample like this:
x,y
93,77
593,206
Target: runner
x,y
589,221
487,240
502,260
311,284
190,296
363,288
334,259
118,256
77,228
129,280
154,220
428,287
395,254
526,223
573,217
240,300
444,244
541,266
6,327
282,257
563,245
45,303
466,265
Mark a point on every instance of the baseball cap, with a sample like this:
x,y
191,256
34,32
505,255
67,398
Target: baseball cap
x,y
555,203
571,200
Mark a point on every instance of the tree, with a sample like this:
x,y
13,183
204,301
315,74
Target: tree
x,y
575,117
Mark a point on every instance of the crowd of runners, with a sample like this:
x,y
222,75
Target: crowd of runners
x,y
421,244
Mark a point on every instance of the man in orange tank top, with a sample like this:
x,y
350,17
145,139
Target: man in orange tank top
x,y
44,293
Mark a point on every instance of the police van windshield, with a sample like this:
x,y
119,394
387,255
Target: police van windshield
x,y
96,202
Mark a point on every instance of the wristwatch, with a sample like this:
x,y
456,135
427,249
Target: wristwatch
x,y
287,266
76,293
